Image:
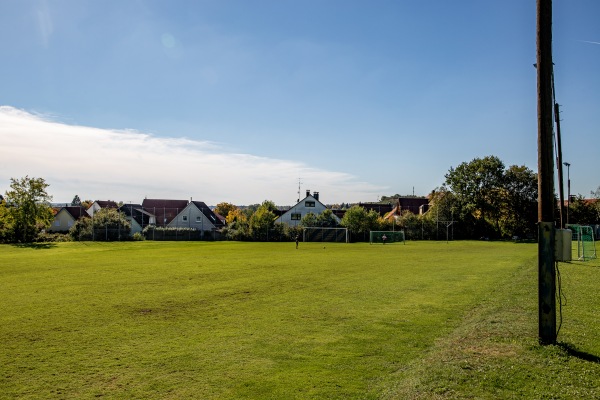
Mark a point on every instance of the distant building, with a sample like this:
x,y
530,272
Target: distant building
x,y
309,204
100,204
164,210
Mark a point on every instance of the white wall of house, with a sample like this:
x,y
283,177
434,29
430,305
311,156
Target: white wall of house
x,y
93,209
307,205
63,221
192,217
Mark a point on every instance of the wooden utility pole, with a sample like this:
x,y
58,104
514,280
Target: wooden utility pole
x,y
546,271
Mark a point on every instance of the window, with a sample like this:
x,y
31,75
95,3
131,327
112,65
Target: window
x,y
309,203
184,217
296,216
198,219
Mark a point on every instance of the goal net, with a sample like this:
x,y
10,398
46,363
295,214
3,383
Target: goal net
x,y
586,247
319,234
387,237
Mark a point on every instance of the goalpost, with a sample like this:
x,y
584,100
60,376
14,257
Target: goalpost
x,y
320,234
386,237
586,247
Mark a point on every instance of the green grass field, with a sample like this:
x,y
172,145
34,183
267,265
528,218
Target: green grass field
x,y
230,320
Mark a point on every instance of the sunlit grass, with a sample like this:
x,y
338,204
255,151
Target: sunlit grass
x,y
259,320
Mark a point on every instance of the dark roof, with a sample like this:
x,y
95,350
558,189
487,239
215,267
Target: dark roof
x,y
76,212
212,217
107,204
381,208
339,213
128,209
136,212
164,210
411,204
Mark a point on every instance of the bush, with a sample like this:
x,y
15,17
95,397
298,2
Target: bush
x,y
108,224
138,237
152,232
47,237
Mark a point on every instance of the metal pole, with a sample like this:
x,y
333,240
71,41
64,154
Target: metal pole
x,y
546,270
559,163
566,164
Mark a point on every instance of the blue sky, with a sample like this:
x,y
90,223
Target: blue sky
x,y
237,100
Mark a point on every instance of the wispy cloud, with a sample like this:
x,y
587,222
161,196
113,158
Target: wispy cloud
x,y
44,20
588,41
125,165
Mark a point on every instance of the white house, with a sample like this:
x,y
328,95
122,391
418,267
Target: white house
x,y
309,204
99,204
66,217
197,215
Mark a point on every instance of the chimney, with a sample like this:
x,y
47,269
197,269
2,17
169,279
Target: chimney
x,y
307,192
316,195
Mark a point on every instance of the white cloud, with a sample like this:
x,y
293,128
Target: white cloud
x,y
122,165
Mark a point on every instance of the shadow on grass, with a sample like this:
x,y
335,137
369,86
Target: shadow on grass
x,y
35,246
573,352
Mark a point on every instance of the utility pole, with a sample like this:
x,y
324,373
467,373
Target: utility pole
x,y
559,164
546,271
566,164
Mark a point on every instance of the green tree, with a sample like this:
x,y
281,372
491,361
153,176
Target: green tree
x,y
354,219
262,221
327,219
28,205
582,211
269,205
309,219
478,185
108,224
519,202
6,223
359,222
76,201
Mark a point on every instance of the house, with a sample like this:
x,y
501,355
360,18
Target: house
x,y
99,204
138,217
197,215
416,205
310,204
66,217
381,208
164,210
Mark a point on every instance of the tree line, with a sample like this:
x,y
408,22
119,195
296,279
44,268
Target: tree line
x,y
481,198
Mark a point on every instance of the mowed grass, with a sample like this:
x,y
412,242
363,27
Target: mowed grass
x,y
233,320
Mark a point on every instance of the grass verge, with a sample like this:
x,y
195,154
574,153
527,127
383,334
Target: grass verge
x,y
494,352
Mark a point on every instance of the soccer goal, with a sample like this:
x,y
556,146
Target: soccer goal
x,y
319,234
586,247
387,237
